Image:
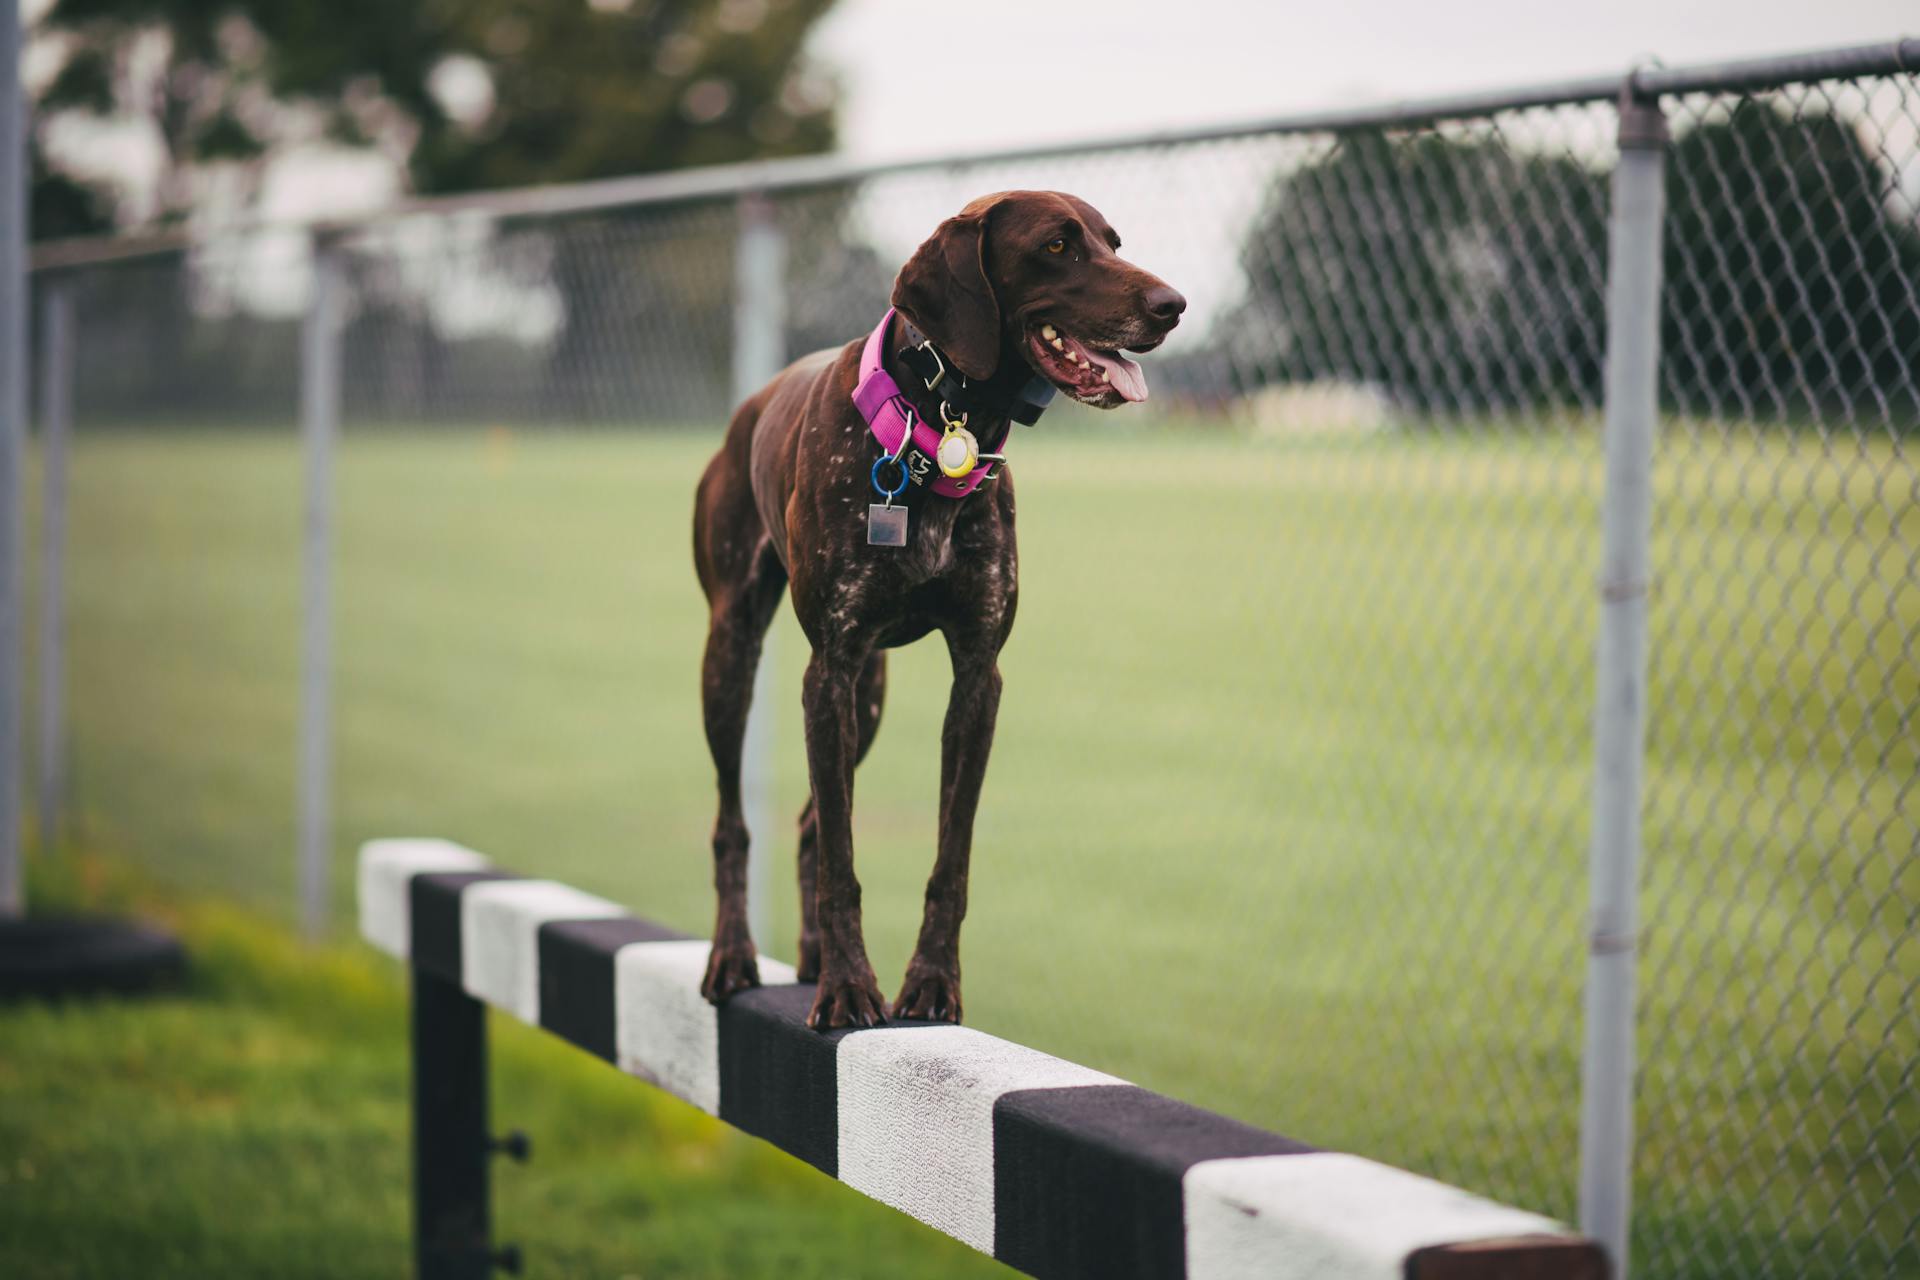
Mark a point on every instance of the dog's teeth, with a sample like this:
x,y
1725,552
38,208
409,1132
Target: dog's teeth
x,y
1104,377
1057,344
1046,331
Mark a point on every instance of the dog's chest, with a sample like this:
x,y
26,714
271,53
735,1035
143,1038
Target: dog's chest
x,y
954,542
954,566
929,552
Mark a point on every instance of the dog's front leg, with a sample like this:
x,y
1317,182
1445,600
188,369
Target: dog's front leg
x,y
848,994
932,988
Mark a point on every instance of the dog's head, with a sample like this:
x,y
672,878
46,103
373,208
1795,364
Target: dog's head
x,y
1037,276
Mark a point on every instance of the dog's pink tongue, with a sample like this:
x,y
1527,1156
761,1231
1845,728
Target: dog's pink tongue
x,y
1123,373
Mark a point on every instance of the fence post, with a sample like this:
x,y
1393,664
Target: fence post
x,y
56,418
759,352
13,431
1619,729
319,430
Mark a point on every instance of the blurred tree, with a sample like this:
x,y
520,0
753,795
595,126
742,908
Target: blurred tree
x,y
596,88
61,205
1792,272
1464,277
458,95
1452,276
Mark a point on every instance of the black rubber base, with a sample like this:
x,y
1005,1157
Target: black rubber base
x,y
46,957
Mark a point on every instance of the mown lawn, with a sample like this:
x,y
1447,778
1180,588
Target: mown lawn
x,y
255,1124
1288,810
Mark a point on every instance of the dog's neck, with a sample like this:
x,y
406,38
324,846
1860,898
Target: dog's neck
x,y
1013,393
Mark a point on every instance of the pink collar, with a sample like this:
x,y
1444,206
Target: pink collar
x,y
880,402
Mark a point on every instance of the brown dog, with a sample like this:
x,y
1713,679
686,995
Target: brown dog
x,y
1020,283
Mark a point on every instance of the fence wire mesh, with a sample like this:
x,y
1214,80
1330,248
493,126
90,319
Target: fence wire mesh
x,y
1777,1099
1291,797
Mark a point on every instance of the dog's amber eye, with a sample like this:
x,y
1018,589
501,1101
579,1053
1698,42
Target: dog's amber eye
x,y
1056,246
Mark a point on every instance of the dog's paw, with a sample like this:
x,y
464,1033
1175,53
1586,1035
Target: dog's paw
x,y
807,968
730,970
929,995
847,1002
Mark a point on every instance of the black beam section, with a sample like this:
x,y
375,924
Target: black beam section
x,y
433,901
1087,1181
778,1076
577,997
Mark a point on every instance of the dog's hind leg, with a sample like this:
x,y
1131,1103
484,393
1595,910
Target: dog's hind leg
x,y
870,697
743,578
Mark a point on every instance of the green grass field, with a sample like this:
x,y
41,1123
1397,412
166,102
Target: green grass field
x,y
1288,808
255,1124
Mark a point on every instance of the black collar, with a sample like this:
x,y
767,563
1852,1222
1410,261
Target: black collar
x,y
1014,392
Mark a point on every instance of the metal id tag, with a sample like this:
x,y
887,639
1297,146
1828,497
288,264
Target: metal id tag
x,y
886,526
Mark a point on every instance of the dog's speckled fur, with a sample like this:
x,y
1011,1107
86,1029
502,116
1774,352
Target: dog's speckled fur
x,y
784,503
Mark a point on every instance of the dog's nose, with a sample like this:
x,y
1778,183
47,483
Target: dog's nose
x,y
1165,303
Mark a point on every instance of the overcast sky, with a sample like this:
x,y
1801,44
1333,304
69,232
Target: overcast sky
x,y
1009,72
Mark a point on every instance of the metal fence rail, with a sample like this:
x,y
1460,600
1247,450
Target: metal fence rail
x,y
1408,326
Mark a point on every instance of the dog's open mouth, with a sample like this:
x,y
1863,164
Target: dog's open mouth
x,y
1091,375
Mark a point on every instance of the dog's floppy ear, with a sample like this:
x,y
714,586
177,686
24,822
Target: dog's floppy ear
x,y
945,292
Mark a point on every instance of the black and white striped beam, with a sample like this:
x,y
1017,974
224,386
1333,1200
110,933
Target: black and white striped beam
x,y
1053,1168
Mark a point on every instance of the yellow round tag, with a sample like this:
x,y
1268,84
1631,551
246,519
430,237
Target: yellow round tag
x,y
959,452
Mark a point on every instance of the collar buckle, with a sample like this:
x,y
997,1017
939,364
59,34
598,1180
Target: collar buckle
x,y
939,366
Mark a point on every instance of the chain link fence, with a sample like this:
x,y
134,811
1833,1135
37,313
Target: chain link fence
x,y
1293,796
1777,1091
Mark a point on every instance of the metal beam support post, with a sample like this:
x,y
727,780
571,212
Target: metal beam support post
x,y
759,352
1619,731
452,1216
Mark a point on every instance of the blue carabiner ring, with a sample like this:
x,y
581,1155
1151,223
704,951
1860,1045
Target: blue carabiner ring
x,y
875,477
